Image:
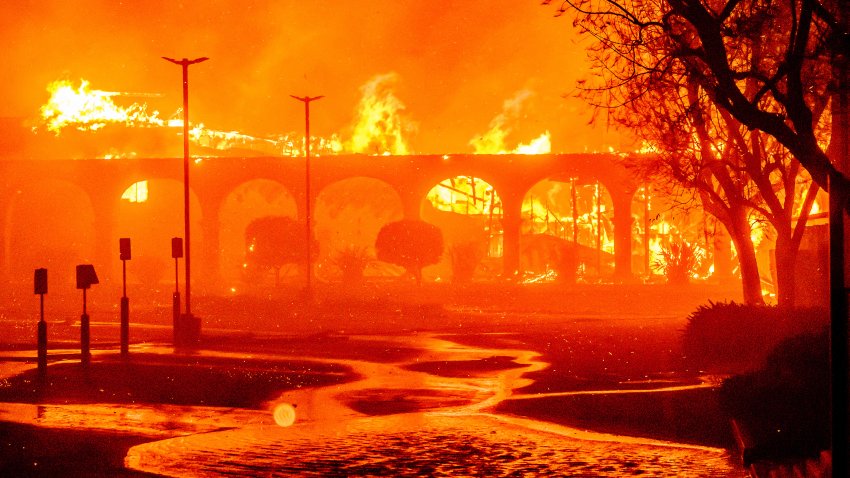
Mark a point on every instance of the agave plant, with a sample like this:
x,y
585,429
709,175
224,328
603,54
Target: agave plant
x,y
678,261
352,261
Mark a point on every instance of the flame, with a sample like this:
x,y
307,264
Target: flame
x,y
380,127
541,145
493,141
88,109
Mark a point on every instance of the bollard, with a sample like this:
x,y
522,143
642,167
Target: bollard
x,y
41,289
125,326
175,310
85,351
42,348
86,276
125,255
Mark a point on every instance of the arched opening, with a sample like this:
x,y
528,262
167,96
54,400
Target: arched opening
x,y
50,224
468,211
346,221
150,213
567,231
251,200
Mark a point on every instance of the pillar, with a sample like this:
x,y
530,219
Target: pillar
x,y
210,251
622,235
511,225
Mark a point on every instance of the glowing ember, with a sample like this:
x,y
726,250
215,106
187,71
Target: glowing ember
x,y
379,127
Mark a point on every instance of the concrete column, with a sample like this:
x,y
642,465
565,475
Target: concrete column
x,y
622,236
411,203
210,250
105,258
5,204
511,224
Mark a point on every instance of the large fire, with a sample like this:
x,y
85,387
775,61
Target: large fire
x,y
380,126
86,109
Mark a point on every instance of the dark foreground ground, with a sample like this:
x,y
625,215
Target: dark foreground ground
x,y
593,339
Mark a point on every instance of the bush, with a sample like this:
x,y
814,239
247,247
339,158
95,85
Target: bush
x,y
733,338
411,244
351,262
678,261
465,259
785,406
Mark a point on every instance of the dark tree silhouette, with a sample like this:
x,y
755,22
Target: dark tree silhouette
x,y
701,79
739,176
272,242
770,64
410,244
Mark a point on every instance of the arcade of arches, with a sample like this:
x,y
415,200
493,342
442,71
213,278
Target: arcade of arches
x,y
74,211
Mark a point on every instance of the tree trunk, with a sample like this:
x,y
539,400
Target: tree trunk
x,y
786,262
750,278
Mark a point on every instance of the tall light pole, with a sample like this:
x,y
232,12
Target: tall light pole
x,y
184,63
308,218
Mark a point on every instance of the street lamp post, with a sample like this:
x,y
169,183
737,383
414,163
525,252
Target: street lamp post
x,y
308,218
184,63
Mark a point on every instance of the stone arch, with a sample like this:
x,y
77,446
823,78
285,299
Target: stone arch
x,y
468,210
49,223
348,214
250,200
556,229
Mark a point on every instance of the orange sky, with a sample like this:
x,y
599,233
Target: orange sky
x,y
456,61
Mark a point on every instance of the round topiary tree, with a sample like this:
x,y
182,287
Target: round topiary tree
x,y
274,241
411,244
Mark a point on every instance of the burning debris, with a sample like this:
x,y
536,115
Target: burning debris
x,y
380,126
85,109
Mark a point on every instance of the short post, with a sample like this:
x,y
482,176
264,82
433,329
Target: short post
x,y
125,255
86,276
176,253
41,289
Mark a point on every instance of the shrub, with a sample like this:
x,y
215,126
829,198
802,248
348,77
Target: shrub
x,y
678,261
732,338
351,262
411,244
465,259
785,406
